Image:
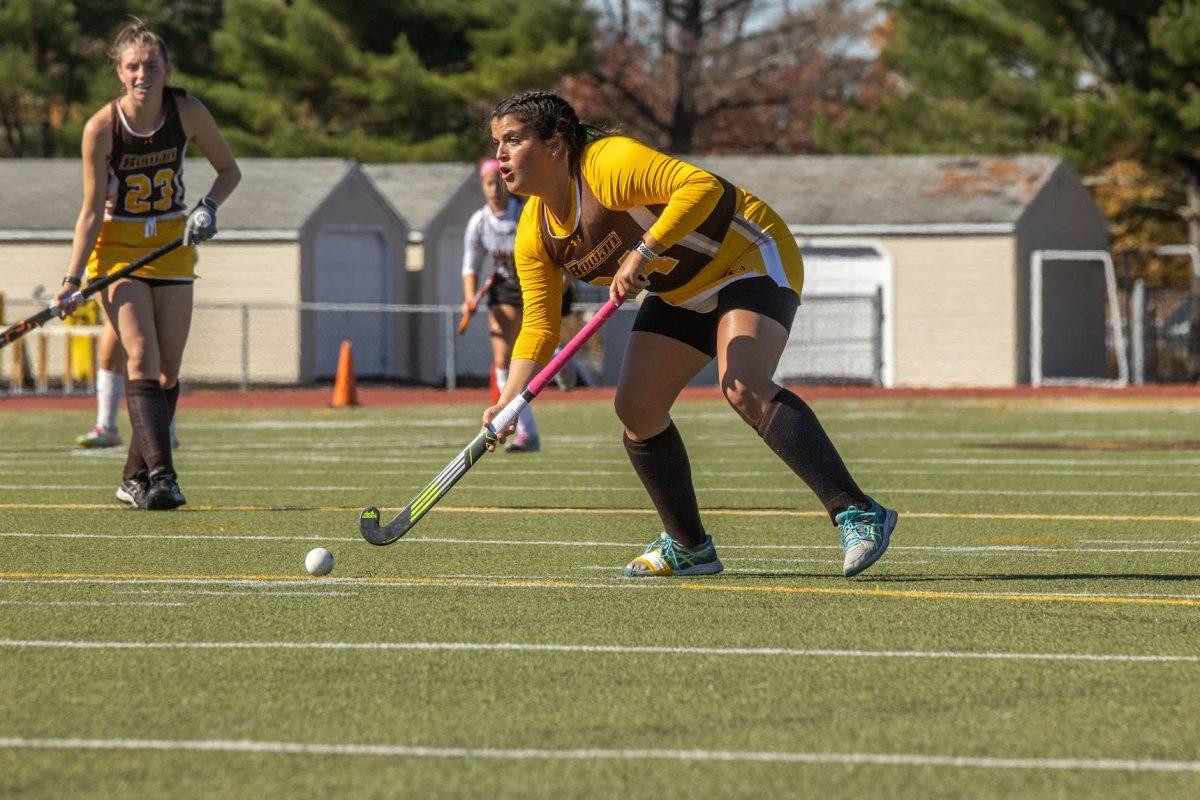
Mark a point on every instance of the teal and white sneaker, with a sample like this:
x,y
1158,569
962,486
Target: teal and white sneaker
x,y
665,556
865,535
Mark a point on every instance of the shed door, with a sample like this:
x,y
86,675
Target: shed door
x,y
352,268
837,333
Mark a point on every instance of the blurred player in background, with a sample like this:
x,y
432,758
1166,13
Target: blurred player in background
x,y
133,202
489,238
725,275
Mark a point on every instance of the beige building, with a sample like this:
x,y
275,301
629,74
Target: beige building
x,y
946,241
943,242
435,202
295,230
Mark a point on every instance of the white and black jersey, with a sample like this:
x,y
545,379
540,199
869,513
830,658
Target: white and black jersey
x,y
489,235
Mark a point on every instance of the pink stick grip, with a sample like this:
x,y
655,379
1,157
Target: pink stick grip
x,y
567,353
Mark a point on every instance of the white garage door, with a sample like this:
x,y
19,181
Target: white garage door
x,y
838,333
352,268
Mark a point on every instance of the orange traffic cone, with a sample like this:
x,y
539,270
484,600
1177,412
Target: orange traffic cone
x,y
345,392
494,387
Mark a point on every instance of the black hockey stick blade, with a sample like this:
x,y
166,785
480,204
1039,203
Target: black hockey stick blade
x,y
368,520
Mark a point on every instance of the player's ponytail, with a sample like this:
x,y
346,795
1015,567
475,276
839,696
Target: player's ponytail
x,y
550,115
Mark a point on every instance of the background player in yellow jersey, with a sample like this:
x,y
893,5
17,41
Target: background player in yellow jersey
x,y
133,202
725,274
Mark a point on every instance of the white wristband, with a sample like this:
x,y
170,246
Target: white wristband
x,y
645,250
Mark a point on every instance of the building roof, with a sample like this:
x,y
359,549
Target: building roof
x,y
880,191
418,192
275,195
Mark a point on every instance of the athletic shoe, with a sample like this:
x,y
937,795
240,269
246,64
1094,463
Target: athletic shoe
x,y
132,491
523,443
99,437
865,535
164,493
665,556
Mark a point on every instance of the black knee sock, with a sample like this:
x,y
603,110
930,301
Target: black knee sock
x,y
662,463
134,462
150,420
172,395
792,430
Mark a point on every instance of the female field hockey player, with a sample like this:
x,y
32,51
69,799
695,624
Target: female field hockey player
x,y
489,237
725,277
133,202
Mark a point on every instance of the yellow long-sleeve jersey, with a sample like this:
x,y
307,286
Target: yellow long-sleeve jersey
x,y
709,232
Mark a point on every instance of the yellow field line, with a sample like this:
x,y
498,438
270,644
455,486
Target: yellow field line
x,y
714,512
708,585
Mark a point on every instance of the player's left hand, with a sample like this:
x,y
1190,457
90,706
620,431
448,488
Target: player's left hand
x,y
629,280
201,223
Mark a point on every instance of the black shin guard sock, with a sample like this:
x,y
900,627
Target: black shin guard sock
x,y
662,464
172,395
792,430
149,417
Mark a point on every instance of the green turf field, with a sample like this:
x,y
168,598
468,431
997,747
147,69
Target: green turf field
x,y
1033,631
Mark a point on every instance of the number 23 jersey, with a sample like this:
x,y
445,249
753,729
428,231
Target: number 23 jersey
x,y
145,205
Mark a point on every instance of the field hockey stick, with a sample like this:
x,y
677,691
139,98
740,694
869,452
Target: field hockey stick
x,y
474,304
19,329
368,520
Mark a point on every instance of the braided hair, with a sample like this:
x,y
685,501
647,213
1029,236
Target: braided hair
x,y
550,115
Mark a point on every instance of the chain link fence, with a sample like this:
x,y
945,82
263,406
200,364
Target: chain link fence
x,y
268,344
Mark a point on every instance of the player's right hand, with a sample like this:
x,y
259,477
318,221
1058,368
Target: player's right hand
x,y
488,415
67,300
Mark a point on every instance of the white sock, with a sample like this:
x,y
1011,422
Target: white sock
x,y
110,387
501,378
525,424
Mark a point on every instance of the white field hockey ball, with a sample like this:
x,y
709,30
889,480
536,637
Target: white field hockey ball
x,y
319,561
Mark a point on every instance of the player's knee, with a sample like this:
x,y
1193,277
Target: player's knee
x,y
137,357
633,415
168,374
745,399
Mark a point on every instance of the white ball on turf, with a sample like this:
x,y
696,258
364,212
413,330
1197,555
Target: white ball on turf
x,y
319,561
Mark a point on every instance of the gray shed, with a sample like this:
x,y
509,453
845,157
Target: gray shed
x,y
295,230
946,241
436,201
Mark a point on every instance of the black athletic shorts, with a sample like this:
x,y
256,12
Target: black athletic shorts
x,y
155,282
761,295
507,292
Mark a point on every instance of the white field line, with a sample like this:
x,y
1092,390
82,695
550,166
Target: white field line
x,y
588,649
433,459
528,754
770,471
256,592
1140,541
84,603
615,581
492,488
990,548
